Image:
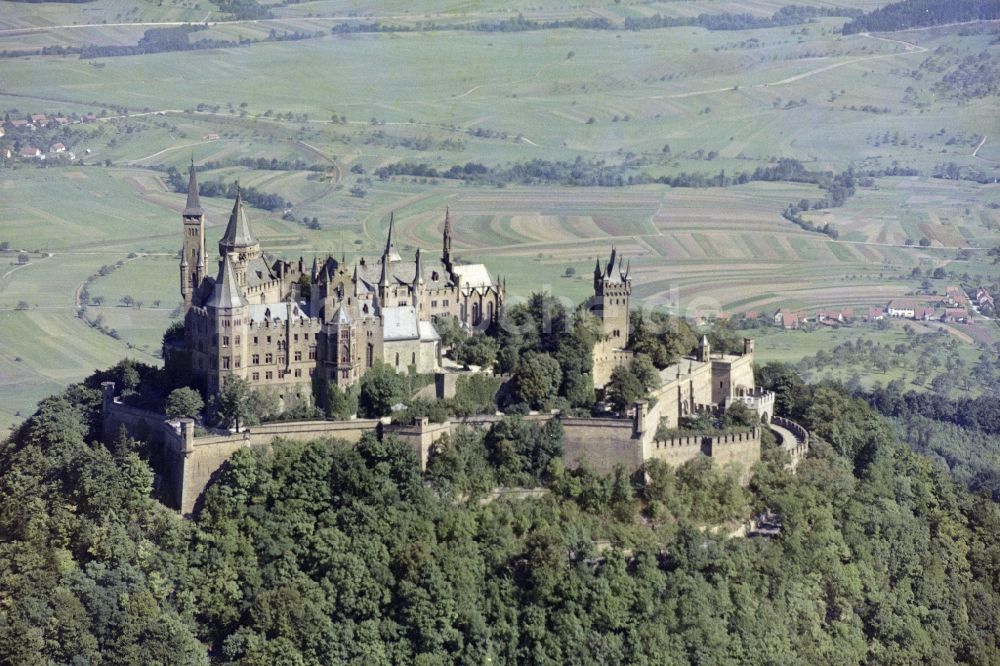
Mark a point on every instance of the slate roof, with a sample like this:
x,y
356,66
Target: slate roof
x,y
400,323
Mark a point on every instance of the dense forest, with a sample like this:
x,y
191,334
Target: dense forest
x,y
323,553
920,13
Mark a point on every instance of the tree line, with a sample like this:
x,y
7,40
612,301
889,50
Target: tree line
x,y
787,15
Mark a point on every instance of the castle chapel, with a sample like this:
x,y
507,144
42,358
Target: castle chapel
x,y
279,324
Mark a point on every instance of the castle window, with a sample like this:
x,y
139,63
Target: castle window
x,y
306,336
255,376
370,356
255,339
435,276
236,340
225,340
268,376
312,353
295,337
445,302
269,339
268,358
397,359
281,359
413,358
255,359
225,362
434,304
298,356
298,372
236,363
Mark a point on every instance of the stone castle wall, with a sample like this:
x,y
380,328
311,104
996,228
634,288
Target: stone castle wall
x,y
189,463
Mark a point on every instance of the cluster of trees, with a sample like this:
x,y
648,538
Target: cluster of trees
x,y
322,552
972,77
919,13
548,352
251,195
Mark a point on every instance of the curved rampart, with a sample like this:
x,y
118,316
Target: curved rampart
x,y
799,444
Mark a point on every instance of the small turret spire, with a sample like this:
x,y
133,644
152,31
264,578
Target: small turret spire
x,y
611,262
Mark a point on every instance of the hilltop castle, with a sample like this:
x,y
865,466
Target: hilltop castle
x,y
279,325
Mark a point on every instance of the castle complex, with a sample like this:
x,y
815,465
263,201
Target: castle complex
x,y
278,324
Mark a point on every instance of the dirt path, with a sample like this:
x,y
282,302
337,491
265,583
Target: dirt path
x,y
30,263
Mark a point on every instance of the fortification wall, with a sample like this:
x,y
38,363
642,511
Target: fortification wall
x,y
740,450
675,451
798,447
601,444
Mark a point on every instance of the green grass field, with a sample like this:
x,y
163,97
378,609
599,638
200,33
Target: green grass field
x,y
722,100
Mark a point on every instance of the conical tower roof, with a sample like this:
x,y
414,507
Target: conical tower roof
x,y
226,294
193,207
238,232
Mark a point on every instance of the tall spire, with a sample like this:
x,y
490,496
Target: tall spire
x,y
611,262
238,232
193,207
390,253
597,268
226,293
446,237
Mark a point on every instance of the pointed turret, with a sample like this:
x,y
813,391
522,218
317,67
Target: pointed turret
x,y
704,350
226,294
611,262
315,268
418,276
193,207
446,239
390,254
184,260
238,234
383,280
